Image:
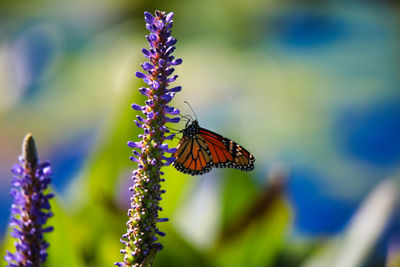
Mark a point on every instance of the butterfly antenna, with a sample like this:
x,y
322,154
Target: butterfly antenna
x,y
191,109
186,117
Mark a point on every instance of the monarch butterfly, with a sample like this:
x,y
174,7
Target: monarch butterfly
x,y
200,149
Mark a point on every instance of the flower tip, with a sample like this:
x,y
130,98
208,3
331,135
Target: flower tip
x,y
169,17
29,150
173,120
48,229
136,106
175,89
140,75
147,14
178,61
148,17
146,52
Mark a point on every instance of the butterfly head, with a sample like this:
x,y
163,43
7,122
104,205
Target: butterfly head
x,y
192,129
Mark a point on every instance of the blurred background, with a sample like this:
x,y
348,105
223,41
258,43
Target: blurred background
x,y
311,88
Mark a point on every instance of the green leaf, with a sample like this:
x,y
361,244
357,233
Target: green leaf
x,y
178,252
239,190
62,250
255,222
260,243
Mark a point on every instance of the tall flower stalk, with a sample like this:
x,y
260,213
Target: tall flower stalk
x,y
149,153
31,208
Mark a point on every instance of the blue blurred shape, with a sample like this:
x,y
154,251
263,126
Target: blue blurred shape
x,y
316,211
33,51
308,28
5,206
68,157
373,133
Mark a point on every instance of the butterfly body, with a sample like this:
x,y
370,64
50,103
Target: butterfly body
x,y
200,150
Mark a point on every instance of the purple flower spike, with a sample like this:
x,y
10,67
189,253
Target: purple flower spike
x,y
31,208
139,239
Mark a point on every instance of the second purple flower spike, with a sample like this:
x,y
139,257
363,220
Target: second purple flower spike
x,y
31,208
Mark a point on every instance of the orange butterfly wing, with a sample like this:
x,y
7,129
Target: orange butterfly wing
x,y
227,154
192,156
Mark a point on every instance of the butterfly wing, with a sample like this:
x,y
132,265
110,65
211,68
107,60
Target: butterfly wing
x,y
192,156
225,153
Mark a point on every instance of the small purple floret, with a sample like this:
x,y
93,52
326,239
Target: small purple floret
x,y
140,75
148,17
146,52
175,89
173,120
147,66
177,62
136,107
169,17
